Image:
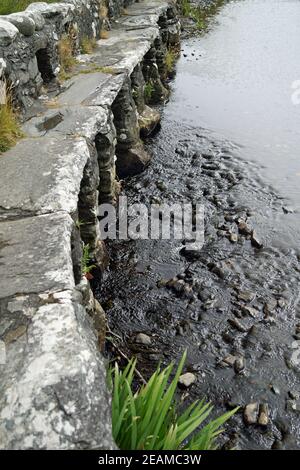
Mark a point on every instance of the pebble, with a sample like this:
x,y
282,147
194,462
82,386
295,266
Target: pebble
x,y
251,413
233,238
239,365
275,389
247,296
263,418
244,228
186,380
270,306
250,311
255,240
294,394
142,338
236,324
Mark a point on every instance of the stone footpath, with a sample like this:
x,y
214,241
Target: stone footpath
x,y
53,387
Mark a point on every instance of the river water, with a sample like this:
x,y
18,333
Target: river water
x,y
241,86
229,139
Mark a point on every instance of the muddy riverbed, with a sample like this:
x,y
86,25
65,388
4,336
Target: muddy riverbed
x,y
235,304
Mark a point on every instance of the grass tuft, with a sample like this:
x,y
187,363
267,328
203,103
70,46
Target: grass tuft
x,y
66,58
170,60
10,130
149,420
148,91
88,45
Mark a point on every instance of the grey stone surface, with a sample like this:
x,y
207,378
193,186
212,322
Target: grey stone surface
x,y
8,33
35,255
22,22
53,387
42,176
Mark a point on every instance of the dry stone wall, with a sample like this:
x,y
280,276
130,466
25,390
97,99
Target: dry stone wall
x,y
53,388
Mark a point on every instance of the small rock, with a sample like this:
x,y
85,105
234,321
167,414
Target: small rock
x,y
281,303
263,418
236,324
239,365
270,306
275,389
246,296
142,338
288,210
250,311
186,380
244,228
251,413
233,238
255,240
294,394
228,360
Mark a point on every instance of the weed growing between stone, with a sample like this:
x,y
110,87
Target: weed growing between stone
x,y
148,91
88,45
170,60
199,14
66,58
12,6
10,130
86,265
149,419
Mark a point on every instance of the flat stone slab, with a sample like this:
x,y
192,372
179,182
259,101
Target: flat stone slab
x,y
79,121
35,255
53,383
83,86
42,176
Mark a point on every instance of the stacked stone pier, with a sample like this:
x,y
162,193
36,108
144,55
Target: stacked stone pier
x,y
80,135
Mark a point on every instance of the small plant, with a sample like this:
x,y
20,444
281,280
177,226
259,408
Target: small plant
x,y
149,419
186,7
10,130
104,34
66,58
148,91
170,60
199,14
86,265
88,45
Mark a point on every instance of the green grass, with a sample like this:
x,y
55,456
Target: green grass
x,y
86,265
88,45
200,15
12,6
170,60
148,91
149,419
10,130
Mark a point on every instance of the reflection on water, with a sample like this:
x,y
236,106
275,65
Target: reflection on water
x,y
237,80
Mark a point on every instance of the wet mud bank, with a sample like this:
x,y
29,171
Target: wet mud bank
x,y
234,305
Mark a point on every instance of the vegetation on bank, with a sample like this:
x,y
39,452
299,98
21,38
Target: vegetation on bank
x,y
149,418
10,130
13,6
200,15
